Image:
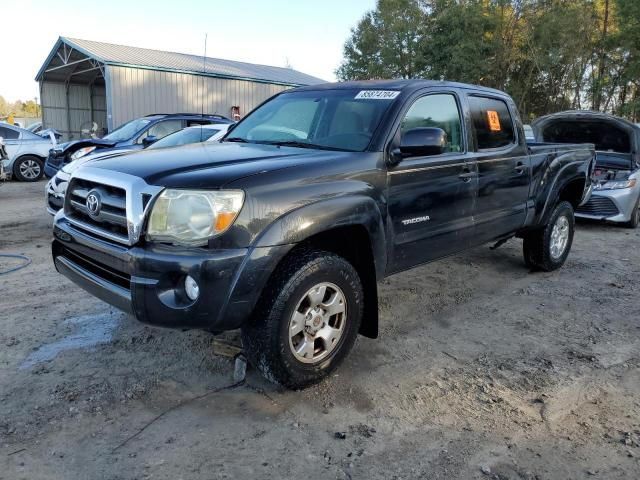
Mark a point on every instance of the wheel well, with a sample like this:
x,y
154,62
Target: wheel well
x,y
572,192
353,244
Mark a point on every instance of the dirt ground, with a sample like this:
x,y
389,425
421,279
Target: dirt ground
x,y
482,370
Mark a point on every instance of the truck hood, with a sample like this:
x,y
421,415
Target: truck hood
x,y
212,165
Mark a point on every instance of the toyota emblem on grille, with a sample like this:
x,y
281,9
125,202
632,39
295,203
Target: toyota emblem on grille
x,y
93,204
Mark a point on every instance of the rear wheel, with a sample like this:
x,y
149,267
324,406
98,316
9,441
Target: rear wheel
x,y
28,168
307,321
548,248
635,217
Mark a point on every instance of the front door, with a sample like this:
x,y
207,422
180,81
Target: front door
x,y
431,197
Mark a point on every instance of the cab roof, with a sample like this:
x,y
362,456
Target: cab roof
x,y
399,84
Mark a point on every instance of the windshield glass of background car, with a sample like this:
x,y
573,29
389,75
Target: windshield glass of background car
x,y
184,137
335,119
126,131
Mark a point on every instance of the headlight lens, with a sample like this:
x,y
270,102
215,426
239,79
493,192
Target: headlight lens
x,y
616,185
192,217
82,152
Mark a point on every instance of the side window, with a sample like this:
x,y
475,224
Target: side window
x,y
8,133
492,122
162,129
439,111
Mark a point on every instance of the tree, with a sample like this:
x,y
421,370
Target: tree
x,y
386,43
549,55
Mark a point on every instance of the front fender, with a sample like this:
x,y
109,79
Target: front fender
x,y
304,222
296,226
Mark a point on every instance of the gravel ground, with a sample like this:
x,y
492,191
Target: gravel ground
x,y
482,370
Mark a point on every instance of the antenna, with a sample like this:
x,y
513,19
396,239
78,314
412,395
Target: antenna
x,y
204,72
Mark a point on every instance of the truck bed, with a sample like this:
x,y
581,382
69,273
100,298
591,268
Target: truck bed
x,y
546,147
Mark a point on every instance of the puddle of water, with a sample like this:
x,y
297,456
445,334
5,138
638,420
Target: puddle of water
x,y
90,330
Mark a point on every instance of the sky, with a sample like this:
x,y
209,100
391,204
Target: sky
x,y
308,34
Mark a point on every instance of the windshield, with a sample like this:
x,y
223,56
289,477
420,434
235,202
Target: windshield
x,y
184,137
325,119
127,131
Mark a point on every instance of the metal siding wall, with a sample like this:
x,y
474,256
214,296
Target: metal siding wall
x,y
138,92
54,107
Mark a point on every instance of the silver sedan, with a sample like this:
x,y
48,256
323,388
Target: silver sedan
x,y
26,152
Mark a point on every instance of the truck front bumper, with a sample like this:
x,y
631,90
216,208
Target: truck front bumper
x,y
148,282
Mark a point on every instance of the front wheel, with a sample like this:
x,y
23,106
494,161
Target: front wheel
x,y
307,320
635,217
28,168
548,247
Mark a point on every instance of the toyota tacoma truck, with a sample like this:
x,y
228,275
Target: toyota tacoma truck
x,y
284,228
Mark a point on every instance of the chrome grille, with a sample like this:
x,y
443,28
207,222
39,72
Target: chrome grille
x,y
112,216
600,207
123,203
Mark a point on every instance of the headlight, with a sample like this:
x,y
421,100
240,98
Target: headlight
x,y
616,185
82,152
192,217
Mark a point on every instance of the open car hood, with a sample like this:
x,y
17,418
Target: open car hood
x,y
617,140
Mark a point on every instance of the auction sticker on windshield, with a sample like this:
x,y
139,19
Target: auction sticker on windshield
x,y
377,94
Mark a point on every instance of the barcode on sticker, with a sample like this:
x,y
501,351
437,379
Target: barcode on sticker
x,y
377,94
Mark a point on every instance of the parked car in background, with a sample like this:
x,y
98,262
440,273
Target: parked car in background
x,y
616,192
284,228
528,133
133,135
35,127
57,185
26,152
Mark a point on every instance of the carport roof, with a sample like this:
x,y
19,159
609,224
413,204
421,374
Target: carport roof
x,y
121,55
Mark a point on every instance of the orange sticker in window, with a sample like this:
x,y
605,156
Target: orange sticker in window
x,y
494,121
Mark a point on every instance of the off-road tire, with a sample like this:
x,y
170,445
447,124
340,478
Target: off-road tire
x,y
635,217
537,244
23,160
265,337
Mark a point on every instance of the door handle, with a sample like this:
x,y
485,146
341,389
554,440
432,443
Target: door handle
x,y
520,168
466,175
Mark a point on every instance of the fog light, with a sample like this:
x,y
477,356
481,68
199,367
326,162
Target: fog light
x,y
191,288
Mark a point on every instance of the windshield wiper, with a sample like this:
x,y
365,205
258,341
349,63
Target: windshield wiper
x,y
237,140
296,143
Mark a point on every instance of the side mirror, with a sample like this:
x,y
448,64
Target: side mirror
x,y
422,142
148,140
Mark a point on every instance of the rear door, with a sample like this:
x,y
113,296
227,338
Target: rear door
x,y
12,142
431,197
503,168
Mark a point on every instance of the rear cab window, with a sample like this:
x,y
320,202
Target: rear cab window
x,y
492,123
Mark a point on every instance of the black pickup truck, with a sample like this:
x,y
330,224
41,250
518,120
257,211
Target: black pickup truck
x,y
284,229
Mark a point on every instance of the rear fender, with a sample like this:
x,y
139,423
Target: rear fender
x,y
557,177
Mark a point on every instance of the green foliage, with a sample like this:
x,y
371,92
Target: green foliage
x,y
549,55
19,109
